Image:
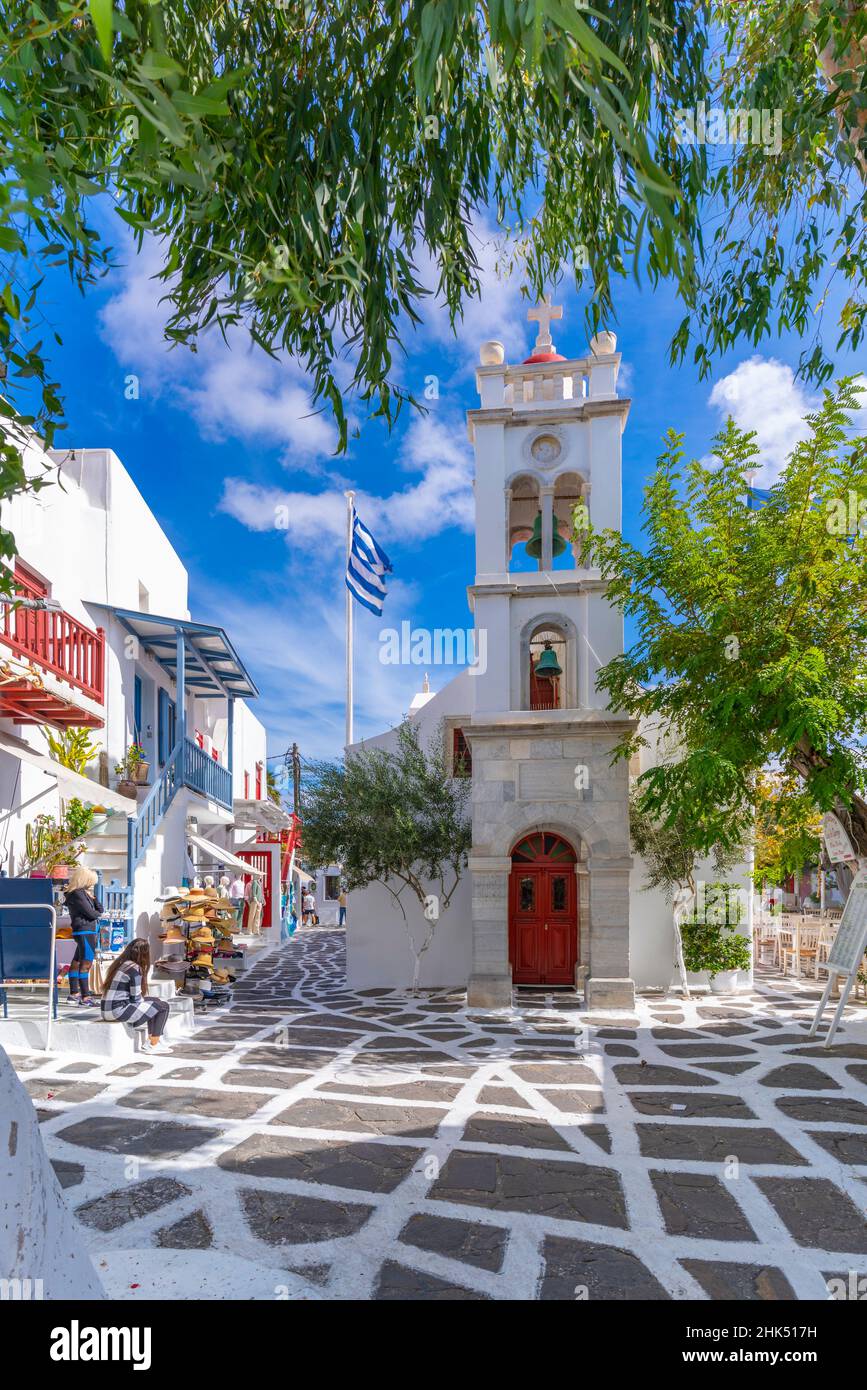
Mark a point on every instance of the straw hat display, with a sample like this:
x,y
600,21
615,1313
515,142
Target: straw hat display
x,y
174,934
203,961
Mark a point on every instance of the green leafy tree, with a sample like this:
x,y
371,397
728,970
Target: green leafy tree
x,y
301,161
72,748
751,645
788,828
395,817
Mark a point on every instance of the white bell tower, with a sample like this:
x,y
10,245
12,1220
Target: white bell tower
x,y
547,441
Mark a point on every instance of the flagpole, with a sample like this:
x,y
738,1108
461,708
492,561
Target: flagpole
x,y
350,498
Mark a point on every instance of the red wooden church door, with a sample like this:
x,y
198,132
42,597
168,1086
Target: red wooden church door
x,y
543,916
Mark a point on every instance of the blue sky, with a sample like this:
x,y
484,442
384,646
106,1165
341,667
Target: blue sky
x,y
218,440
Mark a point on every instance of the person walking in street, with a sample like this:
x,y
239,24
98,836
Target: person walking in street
x,y
85,910
124,999
341,906
309,906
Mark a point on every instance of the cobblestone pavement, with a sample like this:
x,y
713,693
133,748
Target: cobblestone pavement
x,y
389,1147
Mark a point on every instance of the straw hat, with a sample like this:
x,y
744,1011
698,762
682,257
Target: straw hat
x,y
195,914
173,934
171,895
172,965
203,961
202,934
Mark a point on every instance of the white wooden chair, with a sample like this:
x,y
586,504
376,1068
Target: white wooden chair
x,y
803,949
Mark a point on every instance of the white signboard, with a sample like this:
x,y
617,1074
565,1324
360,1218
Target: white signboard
x,y
838,846
847,951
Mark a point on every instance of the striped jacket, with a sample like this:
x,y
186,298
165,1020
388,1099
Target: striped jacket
x,y
123,999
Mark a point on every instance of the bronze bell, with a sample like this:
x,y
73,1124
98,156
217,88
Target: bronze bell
x,y
548,665
534,544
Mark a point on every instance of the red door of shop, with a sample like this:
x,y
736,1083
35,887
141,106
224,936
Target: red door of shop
x,y
264,860
543,917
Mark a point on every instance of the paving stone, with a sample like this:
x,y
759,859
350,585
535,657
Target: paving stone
x,y
715,1143
503,1096
620,1050
857,1050
704,1049
513,1131
577,1102
708,1011
286,1218
837,1110
600,1136
859,1073
778,1039
798,1076
313,1037
467,1241
68,1174
22,1063
542,1074
274,1080
593,1021
178,1100
182,1074
574,1268
340,1022
629,1074
685,1104
674,1034
202,1052
368,1167
399,1283
542,1187
846,1148
294,1057
115,1209
738,1283
699,1205
727,1068
623,1034
40,1088
192,1232
132,1069
313,1113
407,1061
228,1032
79,1068
408,1090
146,1138
817,1213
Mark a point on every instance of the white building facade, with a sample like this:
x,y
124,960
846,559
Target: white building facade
x,y
114,649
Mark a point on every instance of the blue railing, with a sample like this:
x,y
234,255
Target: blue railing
x,y
140,830
205,775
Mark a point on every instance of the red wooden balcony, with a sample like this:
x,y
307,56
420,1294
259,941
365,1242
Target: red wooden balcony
x,y
49,640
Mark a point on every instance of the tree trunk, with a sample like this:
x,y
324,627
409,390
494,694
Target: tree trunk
x,y
851,810
852,59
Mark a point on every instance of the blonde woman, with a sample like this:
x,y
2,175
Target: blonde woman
x,y
85,910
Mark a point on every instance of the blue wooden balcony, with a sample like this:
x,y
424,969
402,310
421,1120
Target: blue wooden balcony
x,y
203,774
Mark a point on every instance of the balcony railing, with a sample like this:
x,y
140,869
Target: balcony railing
x,y
56,641
203,774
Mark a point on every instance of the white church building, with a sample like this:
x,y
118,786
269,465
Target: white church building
x,y
553,895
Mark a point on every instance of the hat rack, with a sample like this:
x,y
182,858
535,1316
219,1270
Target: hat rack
x,y
202,924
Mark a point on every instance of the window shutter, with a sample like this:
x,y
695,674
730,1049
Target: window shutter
x,y
163,727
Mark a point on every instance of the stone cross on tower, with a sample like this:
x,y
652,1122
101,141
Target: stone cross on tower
x,y
543,314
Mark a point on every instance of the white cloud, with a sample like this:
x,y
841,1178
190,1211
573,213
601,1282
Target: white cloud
x,y
762,394
231,387
441,497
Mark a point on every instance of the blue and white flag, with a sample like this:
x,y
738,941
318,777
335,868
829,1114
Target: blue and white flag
x,y
366,567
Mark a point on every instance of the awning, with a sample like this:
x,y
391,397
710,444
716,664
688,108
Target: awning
x,y
260,814
69,783
212,667
305,878
223,856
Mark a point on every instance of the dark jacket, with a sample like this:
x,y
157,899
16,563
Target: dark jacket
x,y
84,909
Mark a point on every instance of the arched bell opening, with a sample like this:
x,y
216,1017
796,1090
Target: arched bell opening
x,y
569,493
548,668
523,510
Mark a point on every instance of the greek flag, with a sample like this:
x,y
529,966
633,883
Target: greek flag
x,y
365,567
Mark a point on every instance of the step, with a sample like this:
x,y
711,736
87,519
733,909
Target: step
x,y
83,1030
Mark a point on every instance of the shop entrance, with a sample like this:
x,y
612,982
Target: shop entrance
x,y
543,911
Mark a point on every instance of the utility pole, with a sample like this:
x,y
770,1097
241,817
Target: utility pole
x,y
296,780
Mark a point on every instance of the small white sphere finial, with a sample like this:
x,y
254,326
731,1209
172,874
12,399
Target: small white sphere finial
x,y
492,353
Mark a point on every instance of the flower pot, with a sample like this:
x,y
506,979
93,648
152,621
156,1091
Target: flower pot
x,y
141,774
723,982
127,788
60,871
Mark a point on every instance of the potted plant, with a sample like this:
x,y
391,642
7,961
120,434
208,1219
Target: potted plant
x,y
51,848
132,772
711,940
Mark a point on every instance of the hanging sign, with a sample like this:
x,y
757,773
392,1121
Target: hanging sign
x,y
846,953
838,846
